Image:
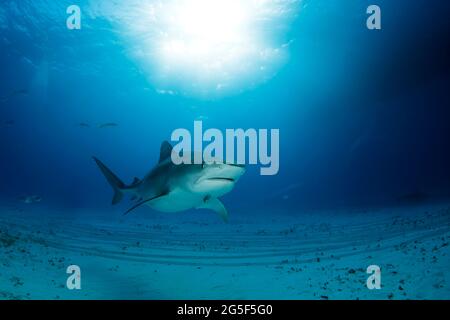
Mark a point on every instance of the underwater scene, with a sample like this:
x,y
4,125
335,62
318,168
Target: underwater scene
x,y
224,149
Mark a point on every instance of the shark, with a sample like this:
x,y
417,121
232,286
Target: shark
x,y
173,188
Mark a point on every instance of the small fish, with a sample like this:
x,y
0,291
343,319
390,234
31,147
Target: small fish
x,y
84,125
13,94
30,199
414,197
107,125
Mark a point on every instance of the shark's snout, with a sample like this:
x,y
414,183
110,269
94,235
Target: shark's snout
x,y
218,178
236,165
232,171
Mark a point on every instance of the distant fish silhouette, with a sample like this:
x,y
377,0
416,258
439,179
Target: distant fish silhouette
x,y
414,197
14,94
285,192
202,118
9,123
30,199
84,125
107,125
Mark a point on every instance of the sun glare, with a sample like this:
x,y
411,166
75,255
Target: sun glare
x,y
205,38
206,47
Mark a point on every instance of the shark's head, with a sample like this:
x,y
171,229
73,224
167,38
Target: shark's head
x,y
216,179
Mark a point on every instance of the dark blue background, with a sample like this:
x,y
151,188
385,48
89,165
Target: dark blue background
x,y
363,115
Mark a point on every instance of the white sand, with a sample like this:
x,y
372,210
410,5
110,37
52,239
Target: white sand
x,y
316,255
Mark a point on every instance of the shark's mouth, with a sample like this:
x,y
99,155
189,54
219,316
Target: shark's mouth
x,y
222,179
236,165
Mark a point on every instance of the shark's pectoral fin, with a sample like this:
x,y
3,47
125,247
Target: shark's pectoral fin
x,y
136,181
216,205
144,202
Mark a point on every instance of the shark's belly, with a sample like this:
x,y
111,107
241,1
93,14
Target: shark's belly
x,y
177,200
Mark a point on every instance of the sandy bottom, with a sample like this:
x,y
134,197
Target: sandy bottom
x,y
315,255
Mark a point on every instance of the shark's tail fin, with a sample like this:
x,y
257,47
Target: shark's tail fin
x,y
113,180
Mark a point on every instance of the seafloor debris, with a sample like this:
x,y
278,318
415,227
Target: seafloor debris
x,y
16,281
6,240
11,296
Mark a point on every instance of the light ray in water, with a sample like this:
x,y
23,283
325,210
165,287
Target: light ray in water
x,y
204,47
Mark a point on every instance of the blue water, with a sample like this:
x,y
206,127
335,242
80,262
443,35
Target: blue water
x,y
363,119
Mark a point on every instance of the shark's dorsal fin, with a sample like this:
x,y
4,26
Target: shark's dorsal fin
x,y
165,151
137,205
215,205
135,181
